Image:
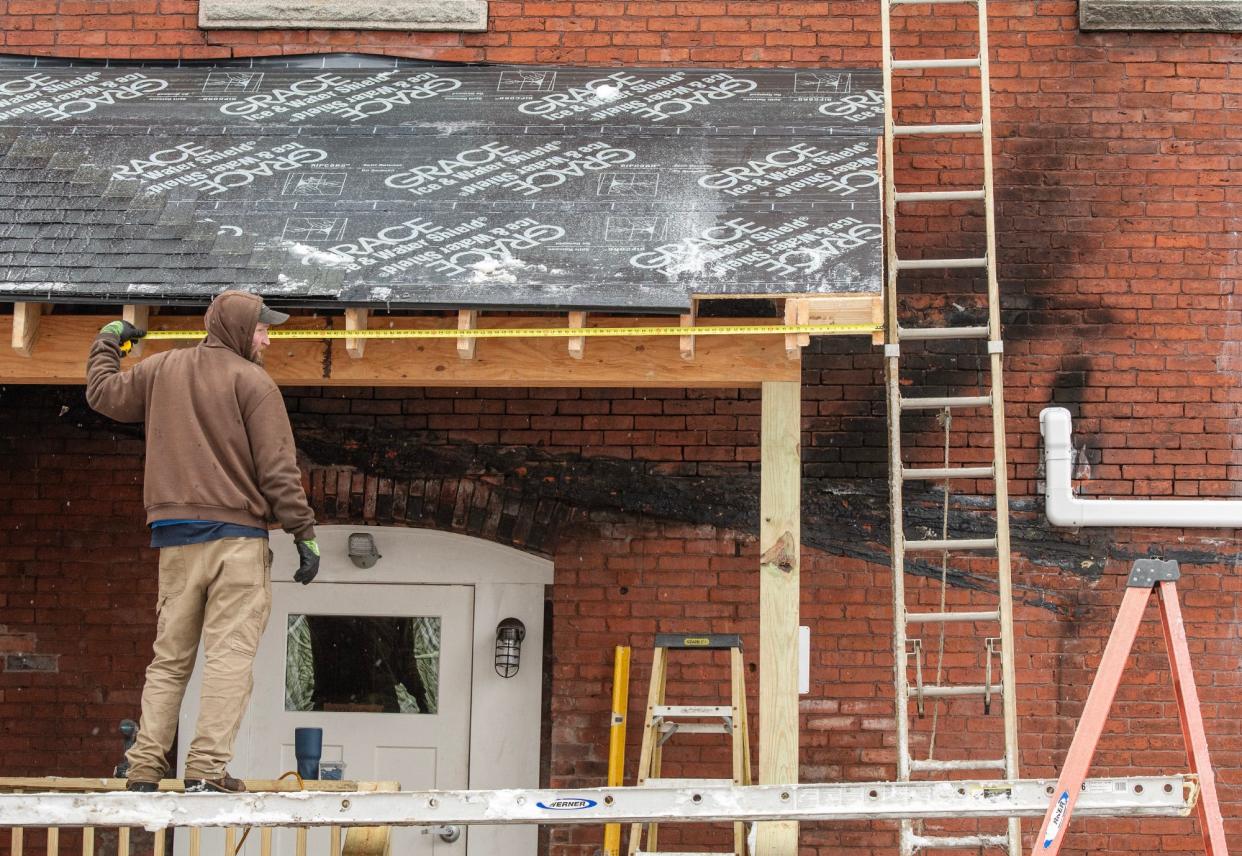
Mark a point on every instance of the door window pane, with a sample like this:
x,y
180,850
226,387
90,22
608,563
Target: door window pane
x,y
363,664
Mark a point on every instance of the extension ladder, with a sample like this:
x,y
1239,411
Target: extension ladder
x,y
986,558
663,721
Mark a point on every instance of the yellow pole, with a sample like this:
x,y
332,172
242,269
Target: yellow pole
x,y
616,739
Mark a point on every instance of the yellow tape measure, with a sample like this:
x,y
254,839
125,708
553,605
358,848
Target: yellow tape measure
x,y
552,332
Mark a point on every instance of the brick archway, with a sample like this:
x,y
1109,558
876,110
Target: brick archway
x,y
468,506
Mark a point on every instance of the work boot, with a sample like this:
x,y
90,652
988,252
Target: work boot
x,y
226,784
142,787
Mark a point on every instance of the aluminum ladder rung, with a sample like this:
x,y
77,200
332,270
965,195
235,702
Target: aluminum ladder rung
x,y
960,62
925,765
938,195
927,473
962,691
686,853
919,333
942,264
670,728
668,711
964,128
931,2
952,617
947,842
937,545
948,401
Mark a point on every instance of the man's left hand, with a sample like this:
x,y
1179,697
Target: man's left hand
x,y
126,334
308,564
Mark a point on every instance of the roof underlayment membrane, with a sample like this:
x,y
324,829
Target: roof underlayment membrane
x,y
374,181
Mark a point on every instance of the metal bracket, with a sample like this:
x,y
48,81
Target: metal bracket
x,y
1147,572
916,646
996,346
992,646
892,351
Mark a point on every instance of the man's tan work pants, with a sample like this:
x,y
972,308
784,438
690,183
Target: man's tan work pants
x,y
219,590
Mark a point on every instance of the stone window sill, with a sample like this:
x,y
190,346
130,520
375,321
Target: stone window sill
x,y
1161,15
453,15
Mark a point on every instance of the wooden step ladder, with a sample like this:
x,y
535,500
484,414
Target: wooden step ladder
x,y
972,333
663,721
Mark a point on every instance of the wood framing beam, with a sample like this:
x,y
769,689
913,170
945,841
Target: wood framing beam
x,y
467,319
650,362
577,345
780,498
139,315
356,319
26,318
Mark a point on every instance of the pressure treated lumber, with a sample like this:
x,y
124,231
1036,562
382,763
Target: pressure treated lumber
x,y
779,560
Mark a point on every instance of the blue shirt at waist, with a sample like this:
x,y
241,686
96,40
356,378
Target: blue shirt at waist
x,y
177,533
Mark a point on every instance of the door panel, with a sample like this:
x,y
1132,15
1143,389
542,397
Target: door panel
x,y
385,671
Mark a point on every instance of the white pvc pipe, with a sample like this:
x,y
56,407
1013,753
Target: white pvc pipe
x,y
1065,509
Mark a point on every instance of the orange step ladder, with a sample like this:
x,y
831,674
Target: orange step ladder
x,y
1146,575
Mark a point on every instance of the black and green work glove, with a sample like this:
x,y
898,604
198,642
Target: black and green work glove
x,y
308,565
126,333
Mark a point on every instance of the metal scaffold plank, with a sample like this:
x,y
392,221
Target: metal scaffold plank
x,y
1158,796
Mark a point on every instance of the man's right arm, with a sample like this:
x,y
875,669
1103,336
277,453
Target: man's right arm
x,y
116,394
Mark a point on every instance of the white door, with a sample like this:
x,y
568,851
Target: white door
x,y
385,671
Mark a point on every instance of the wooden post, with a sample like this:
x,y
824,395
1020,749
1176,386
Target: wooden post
x,y
780,498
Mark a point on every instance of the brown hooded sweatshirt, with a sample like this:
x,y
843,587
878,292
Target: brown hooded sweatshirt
x,y
219,445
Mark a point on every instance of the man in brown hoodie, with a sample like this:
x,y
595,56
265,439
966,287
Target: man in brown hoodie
x,y
220,467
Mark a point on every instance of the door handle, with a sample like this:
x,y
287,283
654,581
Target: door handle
x,y
448,833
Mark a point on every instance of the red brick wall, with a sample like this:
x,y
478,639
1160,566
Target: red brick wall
x,y
1118,216
77,585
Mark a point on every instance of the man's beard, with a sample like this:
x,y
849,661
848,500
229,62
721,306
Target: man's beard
x,y
256,357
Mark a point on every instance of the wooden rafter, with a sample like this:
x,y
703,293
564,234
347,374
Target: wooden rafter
x,y
138,314
26,320
649,362
356,319
797,311
467,319
577,345
686,343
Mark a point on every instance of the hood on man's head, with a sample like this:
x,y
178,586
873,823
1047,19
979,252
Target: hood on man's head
x,y
231,319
